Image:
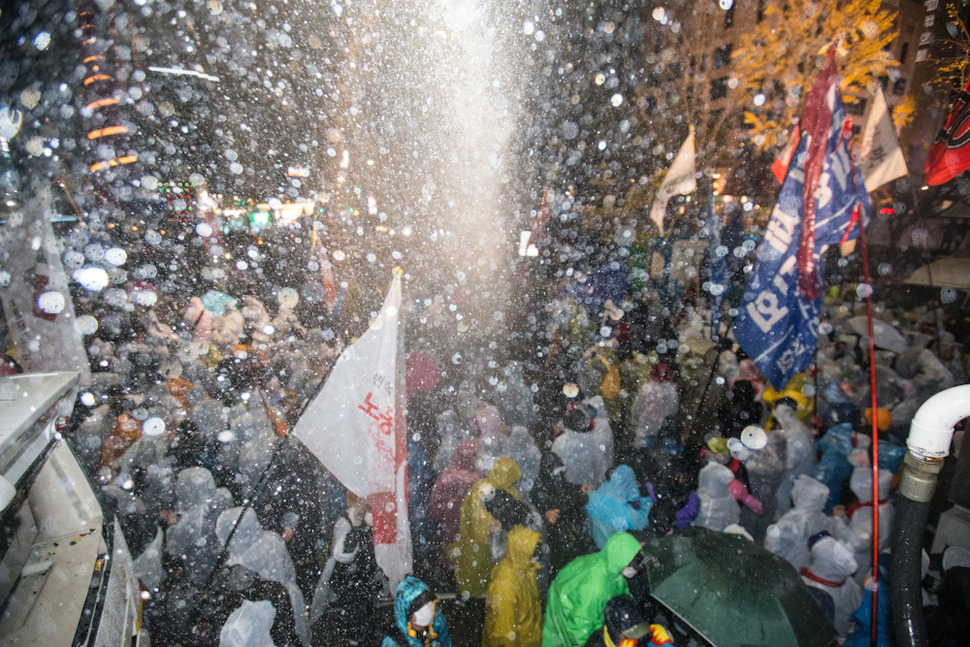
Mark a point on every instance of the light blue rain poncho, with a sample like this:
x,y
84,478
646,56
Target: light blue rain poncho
x,y
617,505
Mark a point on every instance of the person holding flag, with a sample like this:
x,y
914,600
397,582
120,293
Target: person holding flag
x,y
822,202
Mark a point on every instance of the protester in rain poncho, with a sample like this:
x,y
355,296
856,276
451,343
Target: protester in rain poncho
x,y
563,507
452,434
516,401
264,553
578,595
719,508
832,564
527,456
922,375
788,538
766,469
860,516
656,401
472,554
513,611
493,437
585,447
799,454
249,626
449,491
351,583
417,617
193,537
617,505
834,467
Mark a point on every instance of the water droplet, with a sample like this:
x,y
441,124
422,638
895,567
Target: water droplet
x,y
51,302
86,325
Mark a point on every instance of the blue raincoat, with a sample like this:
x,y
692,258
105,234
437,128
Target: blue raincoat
x,y
407,591
617,505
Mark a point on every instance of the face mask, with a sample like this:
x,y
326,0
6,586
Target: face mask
x,y
628,572
423,616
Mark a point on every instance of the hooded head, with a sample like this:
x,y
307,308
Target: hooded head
x,y
714,479
521,546
833,560
624,617
619,551
411,595
861,483
489,422
808,494
505,474
466,455
622,485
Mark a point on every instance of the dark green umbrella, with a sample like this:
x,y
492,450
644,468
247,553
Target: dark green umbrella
x,y
733,592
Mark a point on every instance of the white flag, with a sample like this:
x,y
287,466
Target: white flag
x,y
355,426
680,179
882,158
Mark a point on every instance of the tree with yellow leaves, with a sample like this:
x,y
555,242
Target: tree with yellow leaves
x,y
777,62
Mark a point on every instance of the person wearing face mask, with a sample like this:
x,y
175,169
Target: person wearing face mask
x,y
513,611
352,583
578,595
417,618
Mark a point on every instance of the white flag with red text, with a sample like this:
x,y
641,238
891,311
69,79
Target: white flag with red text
x,y
355,426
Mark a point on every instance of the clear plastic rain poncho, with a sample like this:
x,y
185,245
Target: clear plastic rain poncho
x,y
493,437
860,516
832,563
451,434
766,469
799,454
788,538
148,566
653,403
249,625
516,401
527,456
719,508
587,455
265,553
198,505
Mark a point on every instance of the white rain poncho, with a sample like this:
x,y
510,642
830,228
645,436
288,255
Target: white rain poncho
x,y
800,455
193,538
832,562
493,437
249,625
452,434
788,538
719,509
516,400
265,553
653,404
527,456
587,455
860,516
148,566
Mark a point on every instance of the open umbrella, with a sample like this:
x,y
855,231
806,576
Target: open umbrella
x,y
883,334
733,592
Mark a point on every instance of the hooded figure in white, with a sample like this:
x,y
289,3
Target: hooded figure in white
x,y
766,469
719,508
249,625
860,516
788,538
656,401
832,564
263,552
587,453
527,456
193,538
799,454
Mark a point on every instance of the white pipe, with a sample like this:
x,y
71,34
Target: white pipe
x,y
931,431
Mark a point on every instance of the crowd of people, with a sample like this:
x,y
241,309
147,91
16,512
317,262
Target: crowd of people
x,y
531,497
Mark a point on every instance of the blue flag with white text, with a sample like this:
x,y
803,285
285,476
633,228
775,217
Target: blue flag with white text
x,y
777,321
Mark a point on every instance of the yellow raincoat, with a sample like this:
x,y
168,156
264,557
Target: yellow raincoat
x,y
513,612
471,553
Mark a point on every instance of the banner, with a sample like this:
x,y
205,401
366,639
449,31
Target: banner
x,y
882,159
355,426
680,180
777,322
950,154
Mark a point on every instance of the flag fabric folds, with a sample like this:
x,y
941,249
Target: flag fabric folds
x,y
680,180
779,168
355,426
822,202
882,159
950,154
